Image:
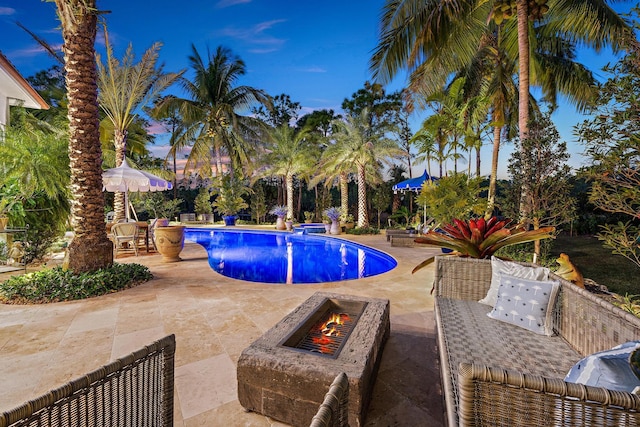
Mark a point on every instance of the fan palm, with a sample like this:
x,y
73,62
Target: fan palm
x,y
90,249
212,112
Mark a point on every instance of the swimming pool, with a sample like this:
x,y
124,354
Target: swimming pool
x,y
279,257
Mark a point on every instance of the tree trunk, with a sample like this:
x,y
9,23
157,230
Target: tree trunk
x,y
289,180
344,193
175,179
478,161
523,88
90,249
120,144
363,218
491,198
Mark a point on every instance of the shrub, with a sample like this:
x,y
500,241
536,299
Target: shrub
x,y
363,230
62,285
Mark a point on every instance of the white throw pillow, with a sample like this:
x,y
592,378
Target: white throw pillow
x,y
609,369
499,267
526,303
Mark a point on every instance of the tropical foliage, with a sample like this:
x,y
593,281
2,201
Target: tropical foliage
x,y
454,196
360,146
478,238
611,139
212,112
57,284
229,190
126,88
289,154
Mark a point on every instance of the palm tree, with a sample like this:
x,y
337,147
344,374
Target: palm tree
x,y
426,146
126,88
288,155
212,112
433,40
363,147
90,249
177,127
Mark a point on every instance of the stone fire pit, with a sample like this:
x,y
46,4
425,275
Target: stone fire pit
x,y
289,385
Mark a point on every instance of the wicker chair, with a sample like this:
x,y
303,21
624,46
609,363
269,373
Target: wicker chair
x,y
334,409
124,232
134,390
498,374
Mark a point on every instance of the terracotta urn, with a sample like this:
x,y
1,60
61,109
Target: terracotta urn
x,y
280,225
335,227
170,241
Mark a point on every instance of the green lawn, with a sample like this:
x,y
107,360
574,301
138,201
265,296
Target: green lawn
x,y
598,263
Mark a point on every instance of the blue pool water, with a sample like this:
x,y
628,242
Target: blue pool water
x,y
278,257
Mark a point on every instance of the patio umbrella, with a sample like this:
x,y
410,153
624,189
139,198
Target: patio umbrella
x,y
124,179
413,184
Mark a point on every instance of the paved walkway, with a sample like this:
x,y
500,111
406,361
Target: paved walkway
x,y
214,319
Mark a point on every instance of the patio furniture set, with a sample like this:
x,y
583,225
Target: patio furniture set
x,y
499,373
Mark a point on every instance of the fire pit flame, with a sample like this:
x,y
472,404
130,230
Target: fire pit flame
x,y
329,328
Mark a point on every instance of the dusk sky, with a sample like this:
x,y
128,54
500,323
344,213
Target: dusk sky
x,y
315,52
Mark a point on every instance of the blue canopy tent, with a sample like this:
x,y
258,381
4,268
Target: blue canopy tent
x,y
414,184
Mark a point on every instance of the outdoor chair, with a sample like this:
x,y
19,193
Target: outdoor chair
x,y
124,232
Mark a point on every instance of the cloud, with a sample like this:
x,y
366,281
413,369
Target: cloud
x,y
7,11
228,3
314,69
34,51
256,35
156,128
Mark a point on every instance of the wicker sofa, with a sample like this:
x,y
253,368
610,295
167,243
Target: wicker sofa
x,y
498,374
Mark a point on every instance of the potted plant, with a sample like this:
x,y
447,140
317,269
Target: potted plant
x,y
229,199
347,221
288,223
327,223
162,208
279,211
334,214
203,206
308,217
477,238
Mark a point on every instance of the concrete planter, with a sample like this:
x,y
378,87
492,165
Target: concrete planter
x,y
335,227
170,241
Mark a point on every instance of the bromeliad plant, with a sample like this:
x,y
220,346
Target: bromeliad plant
x,y
479,238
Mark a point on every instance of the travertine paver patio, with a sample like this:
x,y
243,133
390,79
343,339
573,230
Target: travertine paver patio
x,y
214,319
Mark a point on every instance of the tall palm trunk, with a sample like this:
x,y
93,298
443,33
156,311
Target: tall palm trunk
x,y
523,88
344,193
90,249
491,199
120,143
363,218
289,180
218,161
